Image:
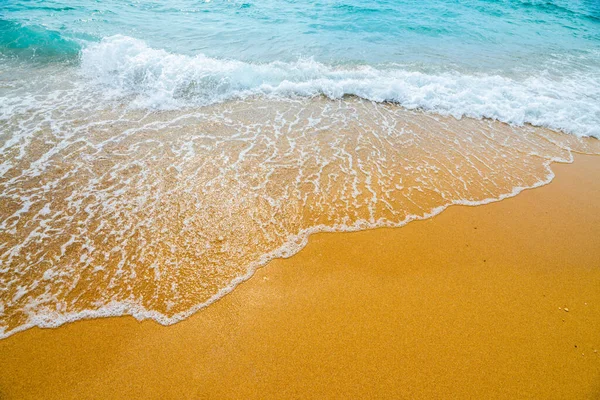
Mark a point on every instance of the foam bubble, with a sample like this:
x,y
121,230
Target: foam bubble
x,y
158,79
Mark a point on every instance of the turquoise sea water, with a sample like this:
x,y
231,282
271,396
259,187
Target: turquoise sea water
x,y
514,60
499,34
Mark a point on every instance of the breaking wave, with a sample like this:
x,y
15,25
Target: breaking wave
x,y
158,79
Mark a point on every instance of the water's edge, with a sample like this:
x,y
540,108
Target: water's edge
x,y
297,243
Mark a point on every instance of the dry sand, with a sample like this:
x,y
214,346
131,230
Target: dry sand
x,y
469,304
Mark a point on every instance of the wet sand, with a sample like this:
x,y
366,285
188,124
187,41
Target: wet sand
x,y
469,304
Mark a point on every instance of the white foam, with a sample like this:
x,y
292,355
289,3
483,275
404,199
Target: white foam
x,y
158,79
52,318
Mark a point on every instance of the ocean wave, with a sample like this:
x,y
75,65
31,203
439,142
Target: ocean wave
x,y
155,78
35,42
589,10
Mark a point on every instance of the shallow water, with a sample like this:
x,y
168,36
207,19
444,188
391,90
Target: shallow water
x,y
152,156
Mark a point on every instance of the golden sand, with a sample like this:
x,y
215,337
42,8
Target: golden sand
x,y
496,301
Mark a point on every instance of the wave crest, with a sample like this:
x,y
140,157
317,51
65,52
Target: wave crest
x,y
158,79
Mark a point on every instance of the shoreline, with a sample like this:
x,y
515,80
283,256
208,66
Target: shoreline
x,y
470,303
182,216
289,249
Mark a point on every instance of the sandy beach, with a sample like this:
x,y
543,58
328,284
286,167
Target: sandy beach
x,y
499,301
259,199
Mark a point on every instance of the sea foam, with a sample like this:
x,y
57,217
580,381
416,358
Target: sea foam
x,y
157,79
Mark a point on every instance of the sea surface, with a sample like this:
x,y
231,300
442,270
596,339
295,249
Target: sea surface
x,y
153,154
